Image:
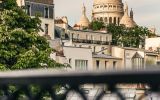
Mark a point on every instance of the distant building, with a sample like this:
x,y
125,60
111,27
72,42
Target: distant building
x,y
80,58
44,9
153,45
112,11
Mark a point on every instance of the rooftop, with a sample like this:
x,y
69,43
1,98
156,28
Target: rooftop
x,y
42,1
104,56
91,31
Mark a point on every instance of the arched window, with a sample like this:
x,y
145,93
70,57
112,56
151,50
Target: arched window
x,y
118,20
105,19
137,61
114,7
97,19
110,20
101,19
115,20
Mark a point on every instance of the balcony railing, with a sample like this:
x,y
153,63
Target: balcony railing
x,y
46,80
90,41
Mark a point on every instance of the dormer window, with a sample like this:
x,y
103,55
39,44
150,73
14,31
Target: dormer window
x,y
46,12
28,10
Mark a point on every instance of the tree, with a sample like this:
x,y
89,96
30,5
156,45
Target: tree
x,y
128,37
21,47
97,25
9,4
117,32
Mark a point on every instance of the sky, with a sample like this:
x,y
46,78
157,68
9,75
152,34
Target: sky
x,y
146,12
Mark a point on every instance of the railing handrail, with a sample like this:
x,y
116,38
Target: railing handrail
x,y
60,77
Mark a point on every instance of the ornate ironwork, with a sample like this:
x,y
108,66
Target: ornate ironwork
x,y
42,84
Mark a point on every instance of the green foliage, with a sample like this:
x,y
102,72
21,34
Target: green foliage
x,y
9,4
97,25
21,47
17,18
128,37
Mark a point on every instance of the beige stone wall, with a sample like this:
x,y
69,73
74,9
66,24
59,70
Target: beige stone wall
x,y
151,60
20,3
152,43
126,54
50,23
94,47
78,54
109,64
119,52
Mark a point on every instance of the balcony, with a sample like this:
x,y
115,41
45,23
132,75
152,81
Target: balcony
x,y
46,80
90,41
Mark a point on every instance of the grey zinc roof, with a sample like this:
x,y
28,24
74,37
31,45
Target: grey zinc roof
x,y
104,56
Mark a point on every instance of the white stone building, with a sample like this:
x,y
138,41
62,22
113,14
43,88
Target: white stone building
x,y
43,8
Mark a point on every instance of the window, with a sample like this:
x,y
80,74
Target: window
x,y
110,20
46,12
137,61
46,29
105,19
106,64
118,20
102,49
81,64
101,19
97,64
114,64
28,10
70,61
115,20
94,49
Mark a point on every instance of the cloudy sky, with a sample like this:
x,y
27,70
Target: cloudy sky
x,y
146,12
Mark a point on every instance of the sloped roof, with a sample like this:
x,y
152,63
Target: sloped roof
x,y
137,55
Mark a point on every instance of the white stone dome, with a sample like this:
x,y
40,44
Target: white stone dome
x,y
84,21
127,20
106,1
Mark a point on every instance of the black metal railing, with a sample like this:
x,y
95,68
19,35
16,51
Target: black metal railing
x,y
44,84
90,41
